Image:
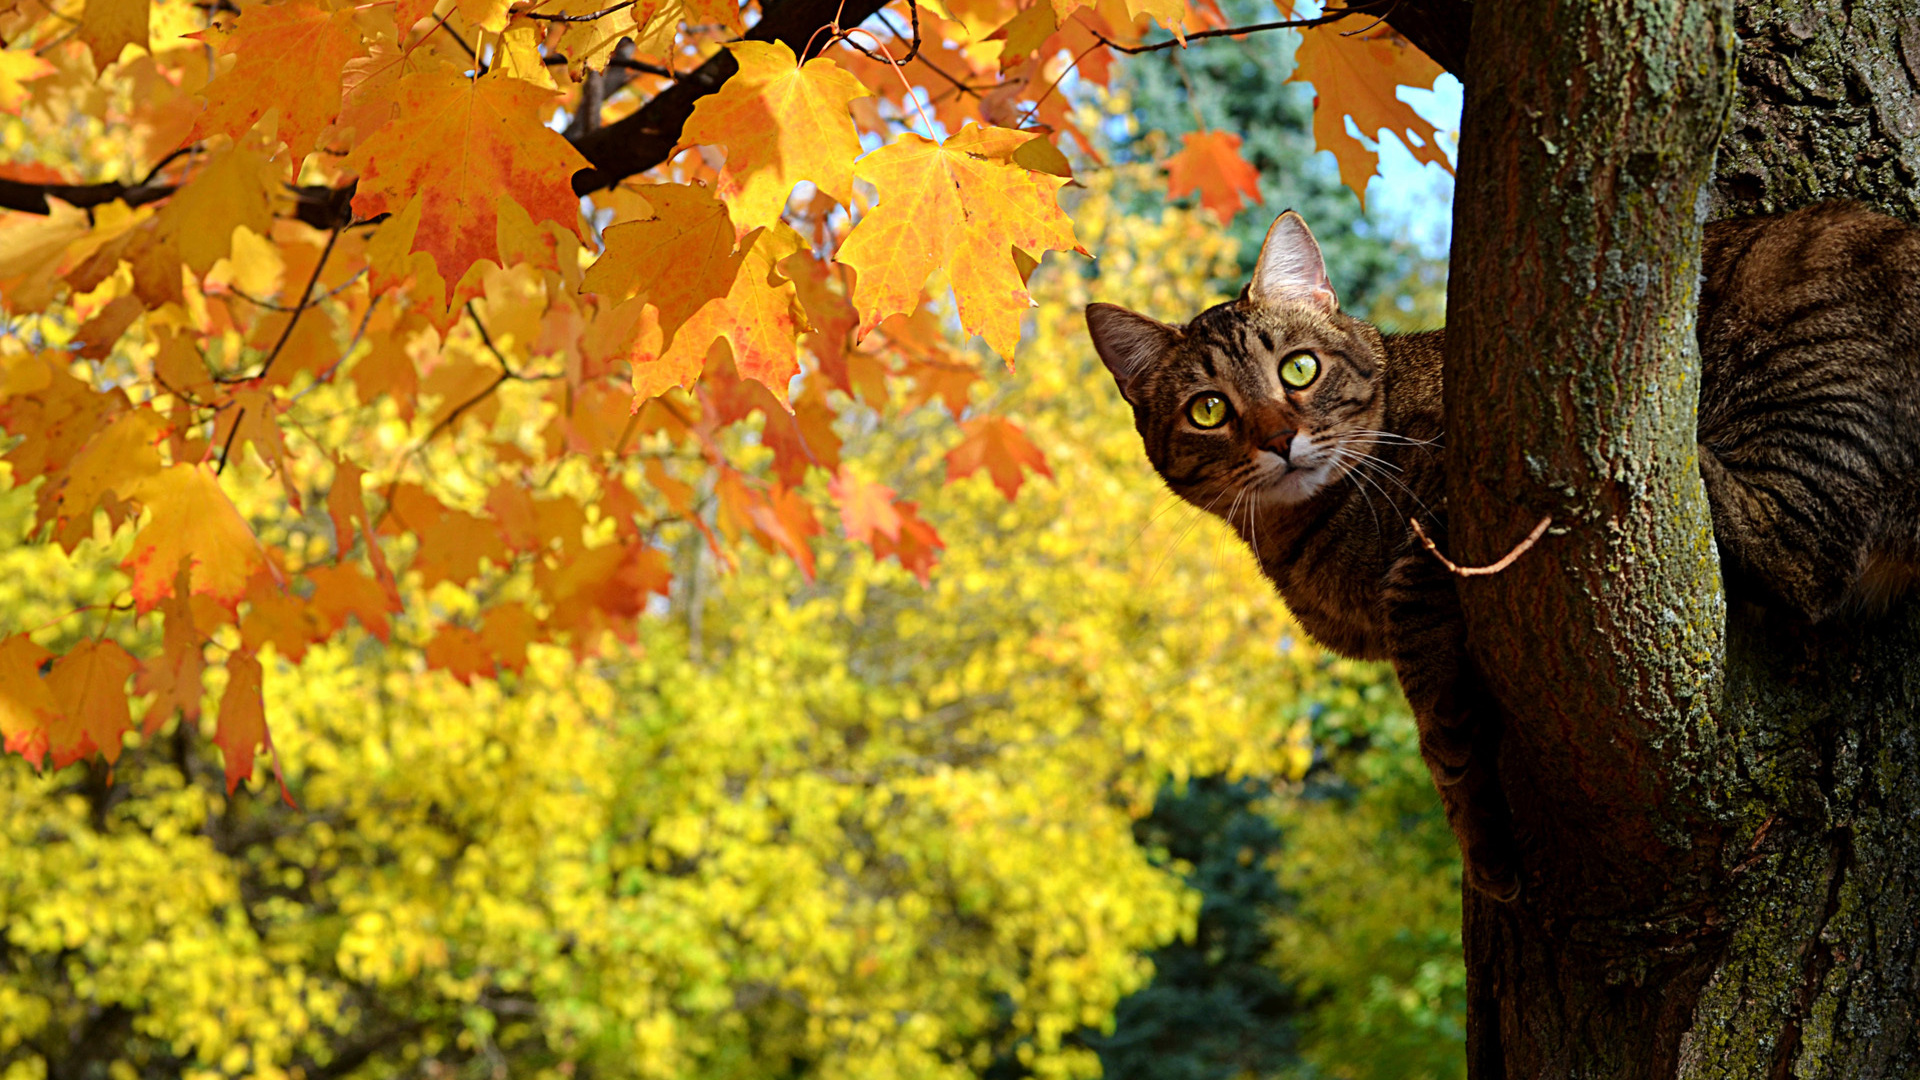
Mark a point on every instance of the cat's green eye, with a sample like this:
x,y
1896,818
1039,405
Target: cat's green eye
x,y
1208,411
1299,370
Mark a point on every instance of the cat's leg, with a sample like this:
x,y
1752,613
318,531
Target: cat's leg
x,y
1782,529
1459,727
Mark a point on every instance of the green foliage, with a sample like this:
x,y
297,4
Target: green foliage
x,y
1217,1008
1372,941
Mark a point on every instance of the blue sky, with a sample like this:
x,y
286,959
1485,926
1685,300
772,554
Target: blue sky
x,y
1409,198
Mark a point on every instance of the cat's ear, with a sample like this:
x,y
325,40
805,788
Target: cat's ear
x,y
1290,270
1128,343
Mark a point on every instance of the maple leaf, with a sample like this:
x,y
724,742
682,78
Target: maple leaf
x,y
508,629
191,519
999,446
242,724
90,684
340,591
918,546
276,616
759,318
306,93
347,506
27,705
603,588
1209,162
1357,77
452,542
461,653
18,68
786,518
964,205
489,146
108,26
175,679
113,462
781,122
866,508
677,260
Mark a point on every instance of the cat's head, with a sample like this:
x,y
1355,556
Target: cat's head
x,y
1271,395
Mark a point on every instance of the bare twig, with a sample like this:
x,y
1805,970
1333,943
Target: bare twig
x,y
1491,568
1365,7
577,18
306,302
226,450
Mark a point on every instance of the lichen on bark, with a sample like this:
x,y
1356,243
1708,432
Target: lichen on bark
x,y
1719,808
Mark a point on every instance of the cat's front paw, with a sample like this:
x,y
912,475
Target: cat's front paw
x,y
1496,877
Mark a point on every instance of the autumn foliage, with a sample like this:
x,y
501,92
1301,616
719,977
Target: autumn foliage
x,y
387,315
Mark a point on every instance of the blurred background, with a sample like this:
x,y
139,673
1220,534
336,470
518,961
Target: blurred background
x,y
1085,804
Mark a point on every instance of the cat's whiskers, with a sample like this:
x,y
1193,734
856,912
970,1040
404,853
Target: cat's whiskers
x,y
1168,502
1191,522
1381,469
1343,456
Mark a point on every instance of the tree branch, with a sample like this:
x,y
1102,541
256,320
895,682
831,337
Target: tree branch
x,y
632,145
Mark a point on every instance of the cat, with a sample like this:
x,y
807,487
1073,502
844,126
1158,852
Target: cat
x,y
1317,438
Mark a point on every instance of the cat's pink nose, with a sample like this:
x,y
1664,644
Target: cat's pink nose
x,y
1280,442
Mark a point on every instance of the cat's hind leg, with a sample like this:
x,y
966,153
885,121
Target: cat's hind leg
x,y
1788,524
1458,722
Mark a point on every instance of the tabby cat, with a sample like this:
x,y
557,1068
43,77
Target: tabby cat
x,y
1317,438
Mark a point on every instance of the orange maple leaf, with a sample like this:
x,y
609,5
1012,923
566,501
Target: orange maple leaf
x,y
760,318
782,122
347,506
193,520
676,260
278,617
175,678
1210,163
785,518
963,204
27,705
917,548
459,652
489,145
90,683
242,724
866,508
1358,77
999,446
266,76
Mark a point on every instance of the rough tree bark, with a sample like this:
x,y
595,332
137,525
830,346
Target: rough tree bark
x,y
1719,809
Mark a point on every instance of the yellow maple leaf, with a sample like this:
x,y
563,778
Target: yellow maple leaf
x,y
1358,77
18,67
782,122
196,225
677,260
193,520
306,94
109,26
489,145
964,205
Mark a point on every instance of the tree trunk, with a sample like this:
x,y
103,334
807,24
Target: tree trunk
x,y
1718,809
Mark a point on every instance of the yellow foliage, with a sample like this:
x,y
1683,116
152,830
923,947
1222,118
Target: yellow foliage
x,y
880,829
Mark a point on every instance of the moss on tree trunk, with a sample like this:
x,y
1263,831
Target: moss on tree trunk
x,y
1719,810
